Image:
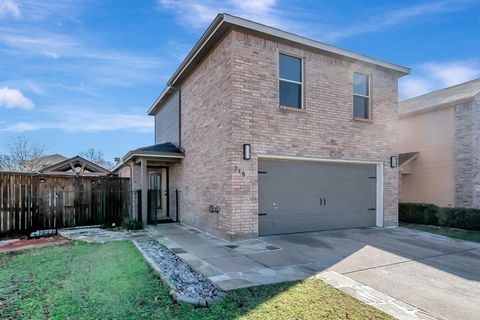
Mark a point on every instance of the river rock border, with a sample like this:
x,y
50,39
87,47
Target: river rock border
x,y
186,284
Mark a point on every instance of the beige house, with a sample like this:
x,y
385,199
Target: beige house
x,y
260,131
439,146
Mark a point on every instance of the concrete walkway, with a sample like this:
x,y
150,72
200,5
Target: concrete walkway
x,y
409,274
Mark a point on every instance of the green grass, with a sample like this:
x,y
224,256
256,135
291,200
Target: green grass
x,y
448,232
112,281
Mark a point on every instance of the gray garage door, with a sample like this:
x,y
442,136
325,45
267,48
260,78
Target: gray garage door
x,y
297,196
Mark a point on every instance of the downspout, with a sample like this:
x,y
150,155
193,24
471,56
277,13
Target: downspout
x,y
179,118
177,201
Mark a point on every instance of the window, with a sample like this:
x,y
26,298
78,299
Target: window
x,y
291,81
361,96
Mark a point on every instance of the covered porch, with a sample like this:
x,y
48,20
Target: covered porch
x,y
153,198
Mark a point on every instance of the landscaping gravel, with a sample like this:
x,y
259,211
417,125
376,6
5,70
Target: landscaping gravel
x,y
187,285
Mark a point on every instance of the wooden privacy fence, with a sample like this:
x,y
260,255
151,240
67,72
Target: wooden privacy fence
x,y
34,202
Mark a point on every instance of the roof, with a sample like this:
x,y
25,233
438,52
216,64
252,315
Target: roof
x,y
76,166
164,150
51,159
442,98
405,158
225,22
43,162
160,148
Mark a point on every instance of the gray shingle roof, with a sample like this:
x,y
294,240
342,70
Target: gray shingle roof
x,y
160,148
461,92
405,157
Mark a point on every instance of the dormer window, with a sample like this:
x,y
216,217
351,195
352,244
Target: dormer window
x,y
361,96
291,81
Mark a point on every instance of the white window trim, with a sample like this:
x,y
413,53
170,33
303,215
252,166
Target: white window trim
x,y
369,96
301,83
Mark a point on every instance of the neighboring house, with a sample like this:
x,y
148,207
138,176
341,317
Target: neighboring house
x,y
49,160
38,164
439,146
260,131
76,166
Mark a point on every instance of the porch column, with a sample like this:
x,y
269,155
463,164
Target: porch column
x,y
144,185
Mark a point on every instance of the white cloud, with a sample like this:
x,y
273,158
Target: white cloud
x,y
390,18
432,76
34,87
453,73
52,55
14,98
35,10
254,5
9,8
413,86
85,121
201,12
99,65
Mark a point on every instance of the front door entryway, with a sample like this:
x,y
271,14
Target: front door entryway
x,y
157,194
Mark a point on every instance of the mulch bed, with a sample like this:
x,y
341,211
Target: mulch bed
x,y
31,243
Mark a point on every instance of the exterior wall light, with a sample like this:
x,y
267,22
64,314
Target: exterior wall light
x,y
393,161
247,151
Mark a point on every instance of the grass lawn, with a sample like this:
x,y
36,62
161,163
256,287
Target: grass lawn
x,y
449,232
112,281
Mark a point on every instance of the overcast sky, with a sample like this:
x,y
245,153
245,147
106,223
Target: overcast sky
x,y
81,74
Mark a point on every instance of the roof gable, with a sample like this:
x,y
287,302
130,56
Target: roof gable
x,y
441,98
224,22
76,166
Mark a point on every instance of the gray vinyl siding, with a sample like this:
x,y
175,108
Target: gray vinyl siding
x,y
167,122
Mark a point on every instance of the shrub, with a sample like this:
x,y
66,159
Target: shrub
x,y
422,213
131,224
462,218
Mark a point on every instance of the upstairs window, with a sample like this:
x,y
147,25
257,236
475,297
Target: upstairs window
x,y
361,96
291,81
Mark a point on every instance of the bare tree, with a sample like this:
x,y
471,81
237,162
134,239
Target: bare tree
x,y
96,157
22,155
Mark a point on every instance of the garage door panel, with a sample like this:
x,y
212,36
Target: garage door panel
x,y
297,196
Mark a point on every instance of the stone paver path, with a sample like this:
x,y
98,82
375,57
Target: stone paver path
x,y
98,235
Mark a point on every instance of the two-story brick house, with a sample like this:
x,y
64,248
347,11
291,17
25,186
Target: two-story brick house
x,y
261,131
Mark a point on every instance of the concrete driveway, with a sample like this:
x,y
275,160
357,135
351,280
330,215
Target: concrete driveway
x,y
436,274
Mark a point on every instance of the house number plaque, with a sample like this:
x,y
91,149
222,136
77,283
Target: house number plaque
x,y
236,169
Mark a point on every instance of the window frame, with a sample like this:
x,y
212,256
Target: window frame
x,y
369,96
302,83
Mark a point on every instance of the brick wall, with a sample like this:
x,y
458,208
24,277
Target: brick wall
x,y
476,153
232,99
204,177
467,154
324,129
